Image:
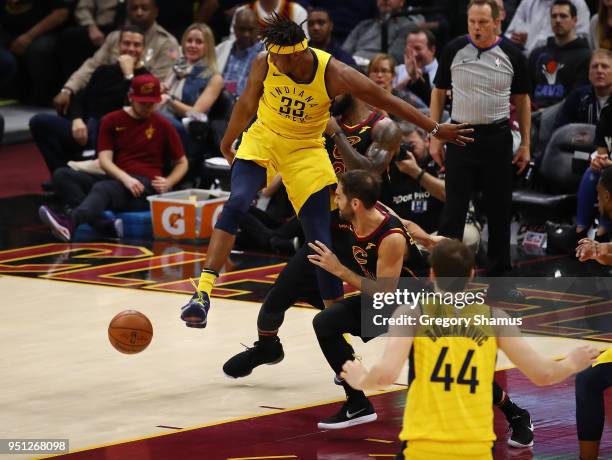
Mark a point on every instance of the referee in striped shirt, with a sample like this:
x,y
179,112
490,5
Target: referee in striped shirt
x,y
485,73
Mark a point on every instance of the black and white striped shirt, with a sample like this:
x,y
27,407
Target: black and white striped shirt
x,y
482,79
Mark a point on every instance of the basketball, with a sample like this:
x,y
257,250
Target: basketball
x,y
130,332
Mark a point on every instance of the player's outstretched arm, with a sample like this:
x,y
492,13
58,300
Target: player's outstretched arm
x,y
539,369
246,107
342,79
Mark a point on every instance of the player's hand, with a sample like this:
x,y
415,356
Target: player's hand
x,y
96,36
324,258
353,373
436,150
228,151
21,44
589,249
332,126
135,187
455,133
61,102
582,357
435,239
161,184
79,131
521,159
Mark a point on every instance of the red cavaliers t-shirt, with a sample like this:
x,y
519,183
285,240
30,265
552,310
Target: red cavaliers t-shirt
x,y
140,147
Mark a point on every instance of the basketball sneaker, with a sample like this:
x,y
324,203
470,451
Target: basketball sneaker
x,y
61,226
352,413
195,312
269,351
522,430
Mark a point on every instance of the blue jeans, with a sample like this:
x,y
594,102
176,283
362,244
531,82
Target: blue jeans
x,y
53,137
587,199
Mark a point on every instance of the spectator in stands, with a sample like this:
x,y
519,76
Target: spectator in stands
x,y
135,144
365,40
600,29
193,86
8,69
320,28
62,139
562,64
346,15
176,16
414,187
526,28
158,57
30,32
587,192
235,55
95,19
381,70
420,65
584,104
264,9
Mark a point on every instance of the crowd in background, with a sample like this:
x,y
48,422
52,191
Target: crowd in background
x,y
81,57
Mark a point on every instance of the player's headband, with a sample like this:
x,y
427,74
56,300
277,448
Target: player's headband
x,y
287,49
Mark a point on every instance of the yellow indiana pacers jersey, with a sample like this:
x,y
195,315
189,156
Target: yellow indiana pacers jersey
x,y
605,357
296,110
450,399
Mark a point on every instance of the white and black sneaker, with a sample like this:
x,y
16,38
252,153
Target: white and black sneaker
x,y
352,413
522,430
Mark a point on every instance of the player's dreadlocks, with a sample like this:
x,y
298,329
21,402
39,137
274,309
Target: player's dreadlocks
x,y
280,30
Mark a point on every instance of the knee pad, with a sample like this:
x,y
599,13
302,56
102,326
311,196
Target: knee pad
x,y
232,214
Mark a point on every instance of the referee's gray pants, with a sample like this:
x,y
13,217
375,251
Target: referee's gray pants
x,y
485,164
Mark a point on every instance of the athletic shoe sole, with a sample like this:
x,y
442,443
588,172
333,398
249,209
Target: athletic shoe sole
x,y
518,445
231,377
355,421
58,231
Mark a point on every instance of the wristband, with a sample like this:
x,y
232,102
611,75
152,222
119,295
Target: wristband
x,y
435,130
129,77
420,176
66,90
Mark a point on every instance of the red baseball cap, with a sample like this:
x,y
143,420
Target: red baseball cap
x,y
145,88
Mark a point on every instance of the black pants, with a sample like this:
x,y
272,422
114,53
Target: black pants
x,y
330,324
590,411
485,164
91,195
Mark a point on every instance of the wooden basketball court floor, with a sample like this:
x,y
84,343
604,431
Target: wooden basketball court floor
x,y
62,379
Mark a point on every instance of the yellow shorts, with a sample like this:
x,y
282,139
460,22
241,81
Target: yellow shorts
x,y
430,450
302,163
605,357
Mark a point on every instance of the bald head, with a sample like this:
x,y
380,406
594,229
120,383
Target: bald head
x,y
246,28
